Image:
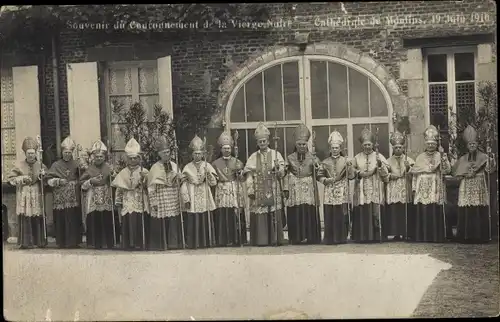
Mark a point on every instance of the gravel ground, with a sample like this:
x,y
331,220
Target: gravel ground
x,y
470,288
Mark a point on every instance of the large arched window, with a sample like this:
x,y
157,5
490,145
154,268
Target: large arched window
x,y
325,93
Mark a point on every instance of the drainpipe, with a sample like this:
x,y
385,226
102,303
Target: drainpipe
x,y
55,79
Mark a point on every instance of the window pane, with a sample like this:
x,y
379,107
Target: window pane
x,y
464,66
466,101
238,107
254,98
252,143
274,99
438,105
383,137
290,140
120,81
378,103
291,85
337,77
148,80
358,90
437,68
148,102
122,103
117,137
319,90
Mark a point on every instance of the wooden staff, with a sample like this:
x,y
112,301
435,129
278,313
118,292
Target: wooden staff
x,y
176,148
110,160
278,182
316,167
488,154
380,192
238,209
207,194
41,178
142,203
407,195
347,193
443,182
79,149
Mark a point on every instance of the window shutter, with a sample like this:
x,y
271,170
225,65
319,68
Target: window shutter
x,y
26,105
165,84
83,103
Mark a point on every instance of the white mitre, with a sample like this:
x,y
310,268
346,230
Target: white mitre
x,y
133,148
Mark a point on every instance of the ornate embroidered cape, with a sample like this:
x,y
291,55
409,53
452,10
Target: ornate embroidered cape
x,y
262,183
28,197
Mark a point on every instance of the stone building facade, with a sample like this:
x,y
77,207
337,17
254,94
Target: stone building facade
x,y
341,66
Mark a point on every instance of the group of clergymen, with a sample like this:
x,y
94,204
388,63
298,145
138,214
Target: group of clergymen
x,y
166,208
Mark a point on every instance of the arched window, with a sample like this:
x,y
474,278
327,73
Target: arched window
x,y
325,93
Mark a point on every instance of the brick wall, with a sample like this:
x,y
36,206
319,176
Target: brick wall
x,y
202,60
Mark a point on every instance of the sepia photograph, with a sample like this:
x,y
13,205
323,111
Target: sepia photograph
x,y
251,161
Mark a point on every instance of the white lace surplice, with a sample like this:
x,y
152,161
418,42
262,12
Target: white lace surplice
x,y
370,189
396,190
130,193
473,191
200,195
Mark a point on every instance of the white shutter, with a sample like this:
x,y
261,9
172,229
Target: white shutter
x,y
83,103
26,105
165,84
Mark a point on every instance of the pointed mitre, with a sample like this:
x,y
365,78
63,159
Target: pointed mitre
x,y
397,138
98,146
133,148
431,134
225,139
197,144
261,132
29,143
68,144
335,138
302,133
470,134
366,136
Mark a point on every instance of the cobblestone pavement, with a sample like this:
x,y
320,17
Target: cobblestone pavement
x,y
392,279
